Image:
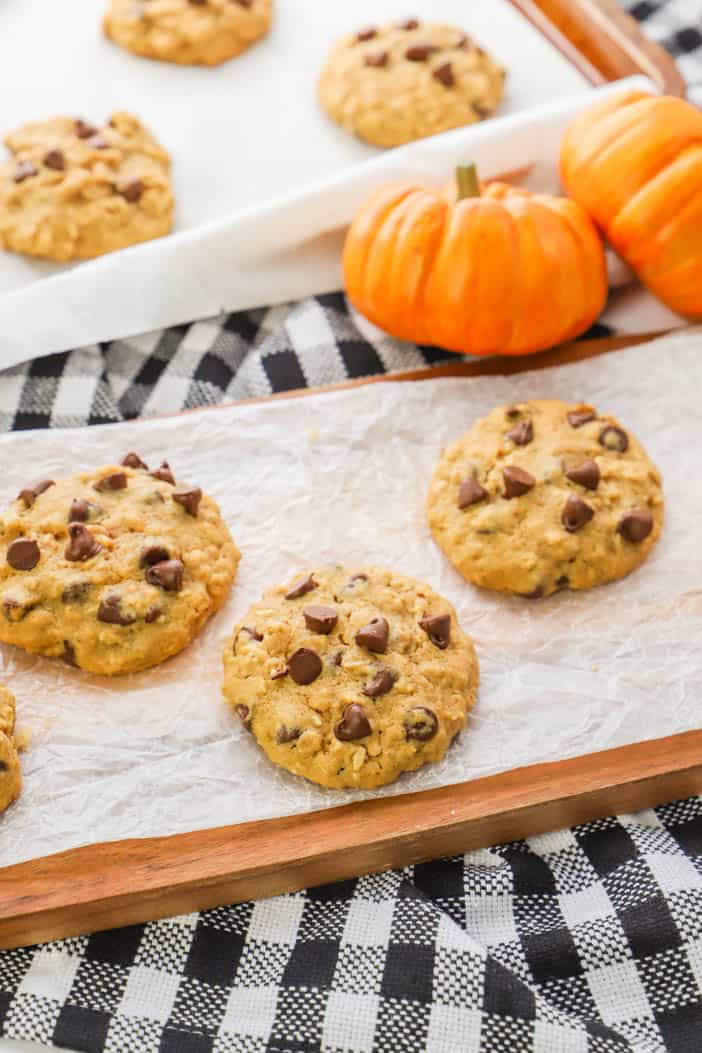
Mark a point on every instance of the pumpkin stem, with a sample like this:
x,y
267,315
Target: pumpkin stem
x,y
467,181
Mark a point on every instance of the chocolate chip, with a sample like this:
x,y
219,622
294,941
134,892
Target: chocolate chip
x,y
133,460
24,170
575,514
80,509
243,3
153,554
320,619
164,473
517,481
167,575
244,714
131,192
636,525
110,611
374,636
81,544
69,654
285,734
353,725
470,493
480,111
3,766
420,52
115,481
366,34
586,474
521,434
278,674
23,553
578,417
304,665
152,614
444,75
30,493
409,23
55,159
562,581
513,413
613,438
383,681
376,59
189,497
438,629
301,588
253,633
83,130
76,593
15,610
337,658
420,723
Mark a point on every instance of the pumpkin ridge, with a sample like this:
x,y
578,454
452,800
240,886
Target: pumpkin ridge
x,y
579,310
382,246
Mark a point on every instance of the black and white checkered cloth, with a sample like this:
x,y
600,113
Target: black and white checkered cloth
x,y
583,941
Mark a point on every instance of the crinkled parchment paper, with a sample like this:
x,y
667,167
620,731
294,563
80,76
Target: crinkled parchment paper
x,y
342,477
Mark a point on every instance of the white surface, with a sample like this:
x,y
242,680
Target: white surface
x,y
240,135
343,476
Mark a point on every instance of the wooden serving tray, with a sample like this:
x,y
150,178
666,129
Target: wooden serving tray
x,y
126,882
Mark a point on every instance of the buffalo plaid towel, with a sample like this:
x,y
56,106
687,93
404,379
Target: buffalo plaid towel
x,y
584,941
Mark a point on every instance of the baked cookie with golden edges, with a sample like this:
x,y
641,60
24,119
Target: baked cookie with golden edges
x,y
350,678
545,495
401,81
74,190
114,569
188,32
10,771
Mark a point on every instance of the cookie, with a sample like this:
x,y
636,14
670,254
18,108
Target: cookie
x,y
73,190
545,495
188,32
395,83
351,678
114,569
10,772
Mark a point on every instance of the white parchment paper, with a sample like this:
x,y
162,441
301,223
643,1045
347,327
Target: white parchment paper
x,y
342,476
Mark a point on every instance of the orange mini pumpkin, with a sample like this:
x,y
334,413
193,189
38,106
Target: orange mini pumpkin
x,y
634,161
499,271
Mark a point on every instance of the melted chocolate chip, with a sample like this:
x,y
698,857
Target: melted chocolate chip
x,y
24,170
337,658
353,725
586,474
374,636
376,59
30,493
636,525
244,714
444,75
55,159
575,514
470,493
420,724
167,575
320,619
164,473
81,544
153,554
23,553
83,130
383,681
133,460
69,653
115,481
189,497
517,481
578,417
285,734
521,434
15,610
152,615
562,581
613,438
81,510
304,665
420,52
366,34
110,611
253,633
409,23
512,413
132,191
76,593
301,588
438,629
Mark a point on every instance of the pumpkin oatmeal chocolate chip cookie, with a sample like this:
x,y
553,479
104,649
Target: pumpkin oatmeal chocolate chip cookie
x,y
187,32
402,81
545,495
73,190
10,772
113,570
350,678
